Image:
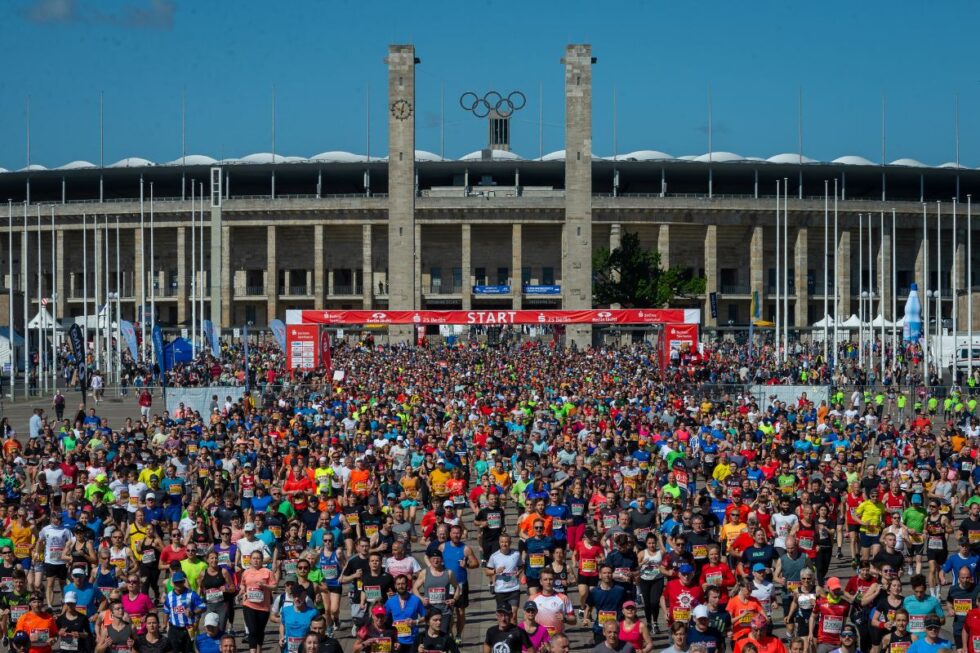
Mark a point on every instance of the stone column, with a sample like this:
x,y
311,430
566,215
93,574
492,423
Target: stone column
x,y
140,285
318,278
843,280
223,266
615,236
182,293
59,278
800,263
663,245
401,186
467,265
367,268
516,262
757,271
710,271
271,274
577,249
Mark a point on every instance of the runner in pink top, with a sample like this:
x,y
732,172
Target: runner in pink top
x,y
136,605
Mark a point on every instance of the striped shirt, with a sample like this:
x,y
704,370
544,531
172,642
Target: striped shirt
x,y
183,609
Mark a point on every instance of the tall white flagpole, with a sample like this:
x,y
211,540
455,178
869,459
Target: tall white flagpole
x,y
779,308
153,278
10,292
926,350
85,286
204,286
785,268
969,282
871,295
42,375
119,345
193,272
836,278
939,289
54,307
894,297
27,291
107,329
97,273
142,311
826,216
955,286
881,286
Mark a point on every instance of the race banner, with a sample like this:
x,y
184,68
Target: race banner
x,y
279,331
128,332
595,316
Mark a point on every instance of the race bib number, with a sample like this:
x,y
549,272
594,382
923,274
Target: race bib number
x,y
213,595
437,595
403,627
68,643
806,543
329,571
537,560
493,521
973,536
962,606
589,566
608,521
682,615
136,620
372,593
18,611
833,624
713,578
353,519
936,543
40,636
56,553
917,623
293,644
134,502
370,530
175,490
290,567
607,617
22,550
578,509
621,573
699,551
248,493
557,524
792,586
255,596
149,557
459,500
381,646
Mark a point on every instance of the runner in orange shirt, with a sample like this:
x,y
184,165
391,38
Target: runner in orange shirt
x,y
39,625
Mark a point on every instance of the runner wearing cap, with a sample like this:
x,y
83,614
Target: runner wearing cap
x,y
376,636
829,616
931,642
504,636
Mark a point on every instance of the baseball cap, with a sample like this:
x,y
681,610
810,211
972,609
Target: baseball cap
x,y
737,492
933,622
531,606
378,610
70,597
249,527
852,631
758,567
833,583
917,499
77,571
179,577
503,609
150,495
629,604
447,504
686,569
700,612
211,619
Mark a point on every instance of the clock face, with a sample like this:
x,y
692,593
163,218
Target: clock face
x,y
401,109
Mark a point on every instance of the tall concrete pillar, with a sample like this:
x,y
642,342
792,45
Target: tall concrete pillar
x,y
59,278
843,281
271,274
801,256
885,253
401,185
182,294
663,245
467,265
222,289
367,267
615,236
516,263
319,281
757,271
577,250
710,271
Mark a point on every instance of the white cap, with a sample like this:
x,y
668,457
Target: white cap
x,y
700,612
249,527
211,619
447,504
70,597
150,495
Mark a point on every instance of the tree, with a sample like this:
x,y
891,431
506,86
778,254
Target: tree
x,y
631,276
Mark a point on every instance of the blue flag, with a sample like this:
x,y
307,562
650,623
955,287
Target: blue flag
x,y
158,345
245,342
211,338
128,332
279,331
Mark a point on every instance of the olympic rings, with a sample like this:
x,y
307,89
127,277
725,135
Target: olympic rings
x,y
504,107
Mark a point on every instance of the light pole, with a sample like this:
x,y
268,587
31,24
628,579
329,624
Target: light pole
x,y
115,355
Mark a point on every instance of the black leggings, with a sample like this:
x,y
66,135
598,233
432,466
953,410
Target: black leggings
x,y
651,591
824,555
151,580
255,621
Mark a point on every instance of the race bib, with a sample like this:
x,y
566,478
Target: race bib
x,y
293,644
276,530
403,627
973,536
493,521
792,586
917,623
40,636
682,615
255,596
437,595
136,620
371,530
833,624
248,493
713,578
175,490
589,566
353,519
806,543
962,606
578,509
537,560
214,595
68,643
290,567
329,571
381,646
134,502
936,543
56,553
149,557
18,611
606,617
22,550
459,500
557,524
608,521
372,593
621,573
699,551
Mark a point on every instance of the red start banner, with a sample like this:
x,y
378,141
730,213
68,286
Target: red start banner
x,y
596,316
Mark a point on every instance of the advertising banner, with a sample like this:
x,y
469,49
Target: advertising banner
x,y
542,290
677,337
302,346
594,316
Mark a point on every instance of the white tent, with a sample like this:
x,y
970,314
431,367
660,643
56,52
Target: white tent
x,y
43,320
853,322
18,351
826,321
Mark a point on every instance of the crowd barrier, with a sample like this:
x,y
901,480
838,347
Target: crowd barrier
x,y
200,399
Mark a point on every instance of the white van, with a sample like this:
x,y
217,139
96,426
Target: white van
x,y
963,356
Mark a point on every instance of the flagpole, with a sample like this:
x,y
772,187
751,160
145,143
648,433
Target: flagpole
x,y
955,286
779,310
881,286
826,209
939,289
785,268
871,299
10,292
969,282
153,273
118,311
200,295
42,377
861,288
142,311
836,277
85,291
107,329
925,294
27,290
193,273
54,306
96,253
894,298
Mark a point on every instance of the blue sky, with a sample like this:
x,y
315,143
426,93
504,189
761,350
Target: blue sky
x,y
659,58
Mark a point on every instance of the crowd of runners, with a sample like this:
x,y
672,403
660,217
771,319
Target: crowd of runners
x,y
603,500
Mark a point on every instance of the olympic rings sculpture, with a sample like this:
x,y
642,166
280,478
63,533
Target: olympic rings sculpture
x,y
492,101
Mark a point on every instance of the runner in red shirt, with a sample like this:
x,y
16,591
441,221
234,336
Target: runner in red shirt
x,y
681,595
829,614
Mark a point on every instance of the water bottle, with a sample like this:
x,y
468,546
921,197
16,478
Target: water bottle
x,y
912,327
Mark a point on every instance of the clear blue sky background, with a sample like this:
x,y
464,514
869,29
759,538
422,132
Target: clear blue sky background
x,y
322,57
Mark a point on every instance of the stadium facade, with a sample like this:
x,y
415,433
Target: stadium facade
x,y
489,230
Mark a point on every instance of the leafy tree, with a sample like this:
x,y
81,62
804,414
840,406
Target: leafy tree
x,y
631,276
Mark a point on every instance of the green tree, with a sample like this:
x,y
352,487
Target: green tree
x,y
631,276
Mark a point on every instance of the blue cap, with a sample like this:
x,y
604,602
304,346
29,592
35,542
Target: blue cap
x,y
179,577
686,569
758,567
916,498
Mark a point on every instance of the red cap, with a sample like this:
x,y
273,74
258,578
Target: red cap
x,y
378,609
737,492
833,583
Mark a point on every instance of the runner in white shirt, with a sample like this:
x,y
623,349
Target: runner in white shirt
x,y
504,567
555,611
784,523
52,542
